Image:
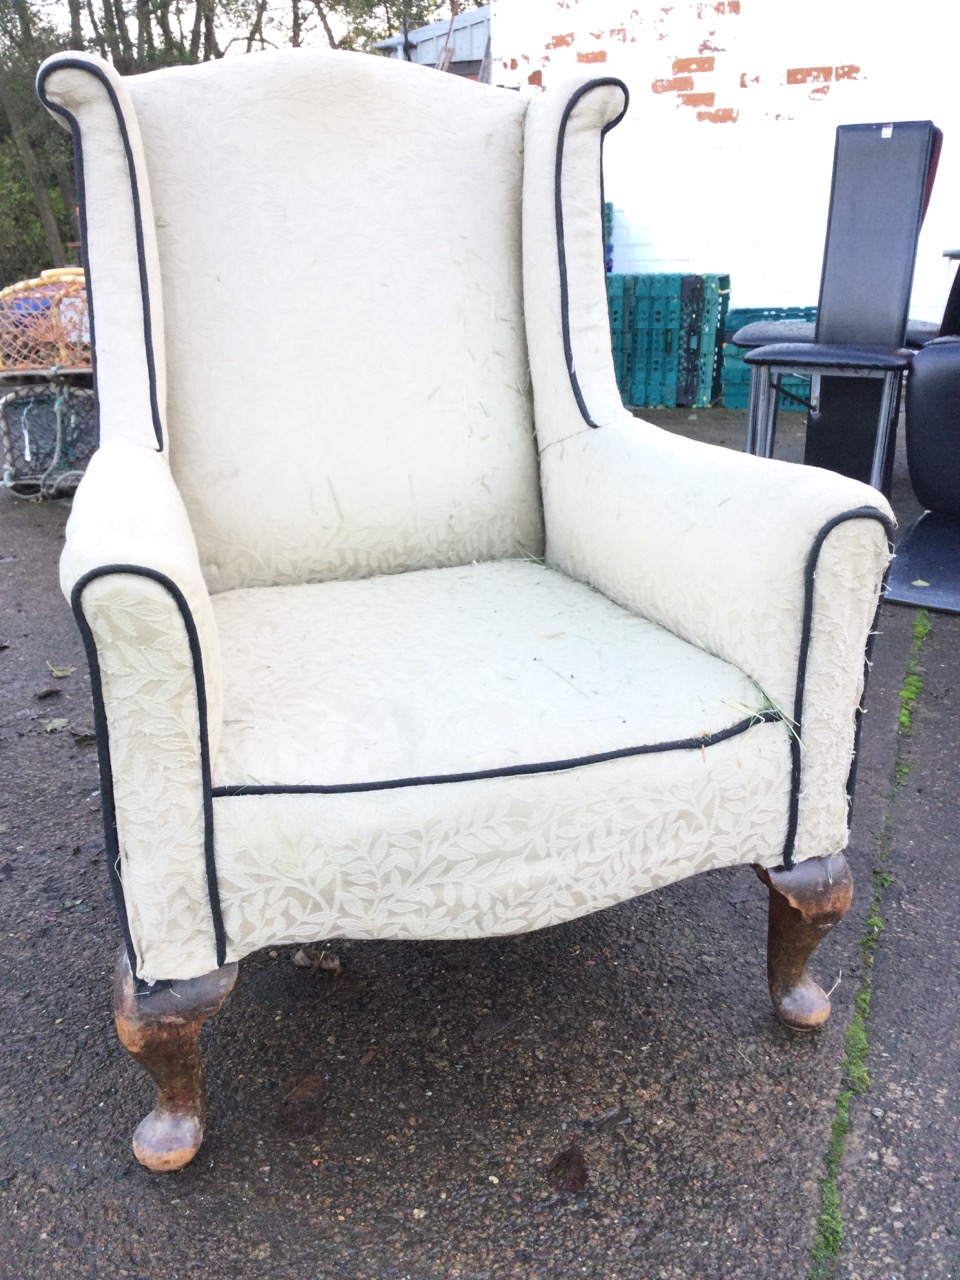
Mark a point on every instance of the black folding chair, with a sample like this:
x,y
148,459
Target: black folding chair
x,y
882,178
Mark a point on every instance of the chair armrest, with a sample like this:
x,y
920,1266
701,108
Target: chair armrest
x,y
131,571
773,567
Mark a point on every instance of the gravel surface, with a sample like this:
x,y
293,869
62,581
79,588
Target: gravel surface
x,y
610,1098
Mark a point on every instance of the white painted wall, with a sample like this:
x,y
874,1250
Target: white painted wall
x,y
739,183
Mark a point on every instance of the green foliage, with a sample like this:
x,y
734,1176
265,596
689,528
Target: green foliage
x,y
855,1064
912,685
23,249
829,1235
922,627
910,690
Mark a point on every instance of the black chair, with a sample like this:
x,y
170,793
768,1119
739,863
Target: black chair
x,y
926,570
764,333
882,179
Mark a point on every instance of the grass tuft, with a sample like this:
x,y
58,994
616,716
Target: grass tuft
x,y
855,1074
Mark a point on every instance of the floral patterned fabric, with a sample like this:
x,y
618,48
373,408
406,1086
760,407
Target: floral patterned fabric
x,y
499,855
451,671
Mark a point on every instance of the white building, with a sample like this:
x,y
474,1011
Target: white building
x,y
469,40
723,162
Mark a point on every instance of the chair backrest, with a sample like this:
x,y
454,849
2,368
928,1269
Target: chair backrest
x,y
338,238
882,178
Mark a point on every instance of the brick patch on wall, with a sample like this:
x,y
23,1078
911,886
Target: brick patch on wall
x,y
697,99
722,115
679,84
593,55
809,75
689,66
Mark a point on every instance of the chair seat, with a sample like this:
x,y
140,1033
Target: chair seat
x,y
763,333
597,757
489,668
824,357
925,573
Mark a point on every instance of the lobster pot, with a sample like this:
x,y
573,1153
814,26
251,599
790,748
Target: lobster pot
x,y
44,323
48,433
48,427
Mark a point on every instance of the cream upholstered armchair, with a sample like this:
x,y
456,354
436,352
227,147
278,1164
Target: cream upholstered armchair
x,y
399,625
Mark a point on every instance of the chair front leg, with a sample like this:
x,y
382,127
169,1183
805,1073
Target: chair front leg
x,y
805,903
161,1030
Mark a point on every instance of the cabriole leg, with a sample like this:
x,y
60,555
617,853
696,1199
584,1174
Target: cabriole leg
x,y
805,903
161,1030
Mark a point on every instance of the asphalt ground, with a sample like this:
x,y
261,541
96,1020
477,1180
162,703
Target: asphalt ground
x,y
611,1098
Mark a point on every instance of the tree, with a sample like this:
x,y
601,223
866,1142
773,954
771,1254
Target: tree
x,y
36,180
35,171
342,24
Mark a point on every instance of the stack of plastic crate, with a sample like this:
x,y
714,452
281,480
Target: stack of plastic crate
x,y
621,303
736,372
666,332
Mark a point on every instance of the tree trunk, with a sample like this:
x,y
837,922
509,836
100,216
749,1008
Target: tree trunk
x,y
325,23
22,12
98,38
76,27
256,31
196,32
110,35
145,45
163,22
211,49
123,35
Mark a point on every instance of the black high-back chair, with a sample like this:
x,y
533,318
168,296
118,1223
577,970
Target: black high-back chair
x,y
882,178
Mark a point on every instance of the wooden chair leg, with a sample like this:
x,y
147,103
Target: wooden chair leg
x,y
161,1031
805,903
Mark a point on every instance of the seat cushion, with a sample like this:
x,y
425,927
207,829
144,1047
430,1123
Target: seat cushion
x,y
461,752
439,673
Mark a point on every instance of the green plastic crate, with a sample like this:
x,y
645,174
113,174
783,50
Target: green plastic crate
x,y
735,370
671,355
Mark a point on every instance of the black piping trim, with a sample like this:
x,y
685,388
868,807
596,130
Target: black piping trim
x,y
107,802
867,663
508,771
558,213
796,750
92,69
103,746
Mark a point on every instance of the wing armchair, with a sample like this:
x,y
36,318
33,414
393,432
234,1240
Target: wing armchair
x,y
399,625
